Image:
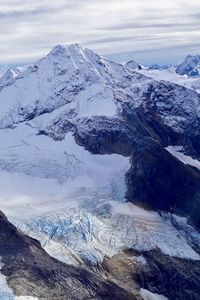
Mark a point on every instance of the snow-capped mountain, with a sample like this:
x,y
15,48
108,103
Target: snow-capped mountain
x,y
86,149
190,66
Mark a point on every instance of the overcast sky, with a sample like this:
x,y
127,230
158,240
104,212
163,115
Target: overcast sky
x,y
146,30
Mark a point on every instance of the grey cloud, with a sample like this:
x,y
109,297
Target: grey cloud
x,y
29,28
138,25
122,38
22,14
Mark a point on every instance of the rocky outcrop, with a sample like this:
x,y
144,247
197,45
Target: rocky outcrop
x,y
31,271
171,277
159,181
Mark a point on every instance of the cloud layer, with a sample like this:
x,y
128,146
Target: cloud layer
x,y
148,30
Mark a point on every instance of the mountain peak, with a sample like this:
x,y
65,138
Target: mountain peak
x,y
65,49
190,66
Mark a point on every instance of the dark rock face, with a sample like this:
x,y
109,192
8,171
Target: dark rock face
x,y
31,271
159,181
103,135
174,278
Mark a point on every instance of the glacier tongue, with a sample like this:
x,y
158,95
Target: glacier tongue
x,y
75,236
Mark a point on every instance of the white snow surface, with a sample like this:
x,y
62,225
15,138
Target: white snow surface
x,y
67,74
186,159
147,295
43,175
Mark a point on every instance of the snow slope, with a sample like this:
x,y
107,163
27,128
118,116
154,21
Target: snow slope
x,y
64,76
35,167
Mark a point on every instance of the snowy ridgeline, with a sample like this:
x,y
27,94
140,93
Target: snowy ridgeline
x,y
83,84
61,79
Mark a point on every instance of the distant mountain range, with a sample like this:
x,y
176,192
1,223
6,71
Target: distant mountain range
x,y
190,66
